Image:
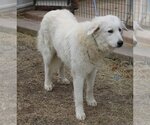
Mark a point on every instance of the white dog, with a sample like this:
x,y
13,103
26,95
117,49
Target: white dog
x,y
80,46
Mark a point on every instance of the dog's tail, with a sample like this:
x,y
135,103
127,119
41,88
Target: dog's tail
x,y
40,40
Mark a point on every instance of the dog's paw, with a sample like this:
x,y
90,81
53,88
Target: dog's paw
x,y
48,87
65,81
92,102
80,116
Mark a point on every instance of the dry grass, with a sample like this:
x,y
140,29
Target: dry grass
x,y
113,92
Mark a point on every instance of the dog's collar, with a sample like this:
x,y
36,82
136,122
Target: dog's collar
x,y
97,50
94,40
90,58
96,43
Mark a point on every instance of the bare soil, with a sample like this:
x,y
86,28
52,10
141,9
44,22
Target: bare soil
x,y
113,92
8,80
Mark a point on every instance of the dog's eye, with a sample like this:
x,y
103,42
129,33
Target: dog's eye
x,y
110,31
119,29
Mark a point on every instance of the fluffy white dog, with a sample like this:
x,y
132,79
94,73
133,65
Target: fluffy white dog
x,y
80,46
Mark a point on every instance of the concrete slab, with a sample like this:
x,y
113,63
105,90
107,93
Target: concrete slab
x,y
143,38
8,22
142,51
8,25
34,15
28,26
125,50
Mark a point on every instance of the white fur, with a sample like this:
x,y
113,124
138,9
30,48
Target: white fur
x,y
80,46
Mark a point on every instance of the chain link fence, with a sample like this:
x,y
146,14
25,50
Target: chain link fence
x,y
142,12
121,8
127,10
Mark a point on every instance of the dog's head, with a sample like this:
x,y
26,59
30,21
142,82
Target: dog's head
x,y
107,31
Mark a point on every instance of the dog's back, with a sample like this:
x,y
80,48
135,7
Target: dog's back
x,y
54,27
59,20
56,19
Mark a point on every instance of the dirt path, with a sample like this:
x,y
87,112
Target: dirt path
x,y
113,92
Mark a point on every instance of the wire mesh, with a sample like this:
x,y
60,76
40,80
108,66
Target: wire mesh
x,y
126,10
142,12
121,8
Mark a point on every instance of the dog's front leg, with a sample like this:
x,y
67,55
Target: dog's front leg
x,y
78,83
89,91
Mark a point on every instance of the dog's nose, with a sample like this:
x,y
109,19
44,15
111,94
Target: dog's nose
x,y
120,43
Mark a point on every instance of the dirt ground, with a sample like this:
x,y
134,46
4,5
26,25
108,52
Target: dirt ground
x,y
8,80
113,92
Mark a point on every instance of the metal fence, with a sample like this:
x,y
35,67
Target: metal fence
x,y
141,9
121,8
126,10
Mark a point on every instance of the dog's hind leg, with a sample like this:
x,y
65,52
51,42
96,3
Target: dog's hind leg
x,y
62,76
89,91
47,58
45,47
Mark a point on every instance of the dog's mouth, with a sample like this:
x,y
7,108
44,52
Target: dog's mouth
x,y
116,45
113,47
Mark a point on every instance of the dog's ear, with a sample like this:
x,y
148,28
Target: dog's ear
x,y
123,26
93,29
